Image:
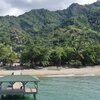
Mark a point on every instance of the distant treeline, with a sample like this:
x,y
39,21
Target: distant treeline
x,y
46,56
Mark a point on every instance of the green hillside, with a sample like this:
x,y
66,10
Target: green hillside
x,y
74,32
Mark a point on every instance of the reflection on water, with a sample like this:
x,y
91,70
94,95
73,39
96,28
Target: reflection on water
x,y
65,88
17,97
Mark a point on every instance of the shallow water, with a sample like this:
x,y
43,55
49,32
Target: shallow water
x,y
66,88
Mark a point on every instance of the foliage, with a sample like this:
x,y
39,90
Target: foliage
x,y
7,55
44,38
36,56
75,63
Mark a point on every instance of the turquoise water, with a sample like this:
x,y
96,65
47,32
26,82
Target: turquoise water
x,y
70,88
67,88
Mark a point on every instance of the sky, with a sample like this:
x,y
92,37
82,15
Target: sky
x,y
18,7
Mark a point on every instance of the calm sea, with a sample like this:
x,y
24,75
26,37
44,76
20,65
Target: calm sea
x,y
66,88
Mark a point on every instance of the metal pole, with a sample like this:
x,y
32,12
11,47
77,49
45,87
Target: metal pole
x,y
34,96
36,86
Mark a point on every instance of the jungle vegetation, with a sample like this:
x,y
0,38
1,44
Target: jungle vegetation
x,y
52,38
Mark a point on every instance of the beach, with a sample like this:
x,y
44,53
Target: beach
x,y
88,71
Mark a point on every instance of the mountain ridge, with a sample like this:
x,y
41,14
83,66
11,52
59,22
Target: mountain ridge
x,y
21,30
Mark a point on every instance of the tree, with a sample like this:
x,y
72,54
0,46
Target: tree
x,y
36,55
7,55
56,56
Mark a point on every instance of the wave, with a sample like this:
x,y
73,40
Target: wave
x,y
70,75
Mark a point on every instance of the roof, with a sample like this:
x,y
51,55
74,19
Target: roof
x,y
19,78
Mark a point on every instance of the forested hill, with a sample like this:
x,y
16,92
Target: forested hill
x,y
17,29
76,27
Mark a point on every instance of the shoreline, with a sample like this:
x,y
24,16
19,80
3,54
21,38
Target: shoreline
x,y
88,71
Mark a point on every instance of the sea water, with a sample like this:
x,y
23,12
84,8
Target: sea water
x,y
66,88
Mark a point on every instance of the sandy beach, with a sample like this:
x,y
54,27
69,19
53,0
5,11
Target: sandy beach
x,y
88,71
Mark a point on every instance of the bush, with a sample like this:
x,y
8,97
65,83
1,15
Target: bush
x,y
75,63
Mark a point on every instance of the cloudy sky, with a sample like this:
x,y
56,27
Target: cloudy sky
x,y
18,7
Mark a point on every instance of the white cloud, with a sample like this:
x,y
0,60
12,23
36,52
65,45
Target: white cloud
x,y
4,7
29,1
14,11
17,7
86,1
